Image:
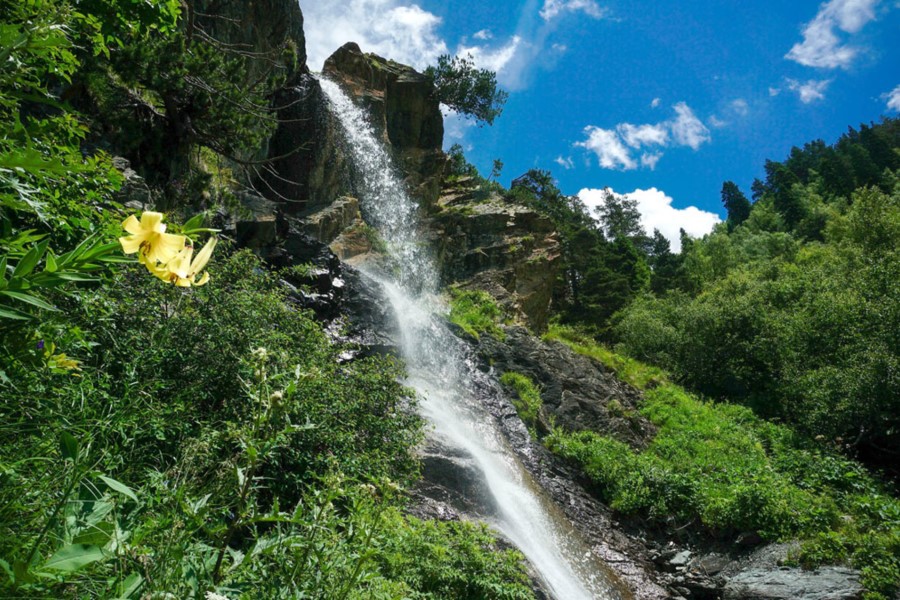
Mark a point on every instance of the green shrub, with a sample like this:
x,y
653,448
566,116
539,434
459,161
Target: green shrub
x,y
527,401
476,312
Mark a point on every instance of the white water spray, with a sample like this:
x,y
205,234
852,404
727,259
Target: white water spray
x,y
440,373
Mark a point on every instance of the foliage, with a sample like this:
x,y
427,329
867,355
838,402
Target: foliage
x,y
214,443
476,312
807,334
471,91
527,401
634,372
724,468
736,204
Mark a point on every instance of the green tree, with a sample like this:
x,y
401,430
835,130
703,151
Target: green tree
x,y
471,91
736,204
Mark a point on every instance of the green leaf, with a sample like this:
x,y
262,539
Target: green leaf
x,y
9,313
29,299
193,223
68,446
71,558
30,260
119,487
131,586
50,263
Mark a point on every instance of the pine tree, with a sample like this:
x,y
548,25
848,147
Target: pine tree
x,y
736,204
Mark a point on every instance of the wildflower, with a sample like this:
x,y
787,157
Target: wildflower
x,y
181,270
149,239
215,596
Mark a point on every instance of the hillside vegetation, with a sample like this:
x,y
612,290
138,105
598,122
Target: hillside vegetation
x,y
172,426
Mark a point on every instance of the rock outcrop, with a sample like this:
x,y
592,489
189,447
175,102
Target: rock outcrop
x,y
510,251
402,108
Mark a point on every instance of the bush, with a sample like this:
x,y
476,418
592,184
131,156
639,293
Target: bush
x,y
527,401
476,312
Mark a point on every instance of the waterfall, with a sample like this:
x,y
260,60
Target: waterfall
x,y
440,371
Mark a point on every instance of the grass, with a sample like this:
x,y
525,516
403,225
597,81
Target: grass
x,y
631,371
527,399
476,313
722,468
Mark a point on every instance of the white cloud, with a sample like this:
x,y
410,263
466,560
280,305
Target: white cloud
x,y
494,59
657,212
821,46
609,148
560,48
614,147
554,8
717,122
774,91
643,135
655,102
484,34
402,32
740,107
809,91
687,129
893,99
566,163
649,159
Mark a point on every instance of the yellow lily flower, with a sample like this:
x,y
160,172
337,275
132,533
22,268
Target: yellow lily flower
x,y
149,239
182,271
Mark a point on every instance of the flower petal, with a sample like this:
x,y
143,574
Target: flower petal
x,y
203,279
152,221
132,226
130,243
165,246
203,256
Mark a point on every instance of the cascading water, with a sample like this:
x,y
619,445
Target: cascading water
x,y
439,371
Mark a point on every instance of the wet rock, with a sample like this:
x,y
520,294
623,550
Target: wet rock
x,y
680,560
825,583
326,224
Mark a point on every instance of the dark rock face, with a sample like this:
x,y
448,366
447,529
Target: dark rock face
x,y
579,393
402,109
308,169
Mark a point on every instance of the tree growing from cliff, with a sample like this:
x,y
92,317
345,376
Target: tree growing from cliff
x,y
471,91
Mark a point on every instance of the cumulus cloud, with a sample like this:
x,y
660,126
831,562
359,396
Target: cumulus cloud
x,y
821,46
566,163
402,32
655,102
614,147
643,135
554,8
893,99
484,34
609,148
809,91
649,159
773,91
687,129
657,212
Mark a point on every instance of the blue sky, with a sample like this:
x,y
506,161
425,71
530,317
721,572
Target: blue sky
x,y
662,101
